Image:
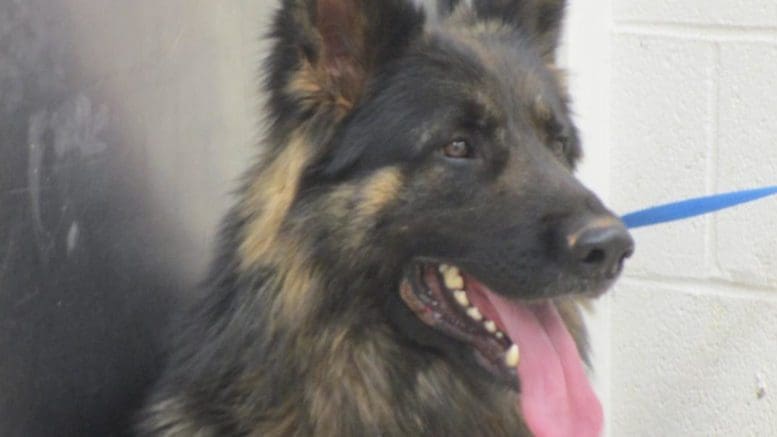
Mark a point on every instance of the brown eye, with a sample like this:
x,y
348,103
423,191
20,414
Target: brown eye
x,y
458,149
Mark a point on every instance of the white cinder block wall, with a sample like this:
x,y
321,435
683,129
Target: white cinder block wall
x,y
677,99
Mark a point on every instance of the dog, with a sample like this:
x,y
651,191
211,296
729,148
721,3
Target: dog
x,y
411,252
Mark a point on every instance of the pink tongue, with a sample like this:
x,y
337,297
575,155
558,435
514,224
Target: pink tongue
x,y
556,398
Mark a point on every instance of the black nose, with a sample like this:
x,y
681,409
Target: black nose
x,y
600,248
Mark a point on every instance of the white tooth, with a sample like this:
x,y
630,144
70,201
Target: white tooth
x,y
453,279
490,326
512,356
461,297
443,268
474,313
499,334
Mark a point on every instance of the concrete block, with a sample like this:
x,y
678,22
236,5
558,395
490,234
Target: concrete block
x,y
688,362
661,130
761,13
746,246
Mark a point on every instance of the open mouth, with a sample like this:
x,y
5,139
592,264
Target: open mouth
x,y
525,344
438,296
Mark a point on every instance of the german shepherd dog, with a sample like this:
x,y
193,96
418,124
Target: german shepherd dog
x,y
410,254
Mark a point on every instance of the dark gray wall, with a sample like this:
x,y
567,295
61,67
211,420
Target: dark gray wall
x,y
123,126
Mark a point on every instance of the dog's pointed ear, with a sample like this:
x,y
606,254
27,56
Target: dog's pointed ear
x,y
540,19
327,50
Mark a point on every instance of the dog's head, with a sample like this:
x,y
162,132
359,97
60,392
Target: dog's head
x,y
438,155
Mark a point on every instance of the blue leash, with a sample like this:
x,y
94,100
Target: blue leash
x,y
693,207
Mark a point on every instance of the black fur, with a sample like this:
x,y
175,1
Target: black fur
x,y
303,331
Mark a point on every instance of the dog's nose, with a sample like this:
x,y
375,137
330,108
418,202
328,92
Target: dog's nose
x,y
600,248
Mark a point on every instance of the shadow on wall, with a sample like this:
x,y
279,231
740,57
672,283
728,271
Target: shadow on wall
x,y
90,264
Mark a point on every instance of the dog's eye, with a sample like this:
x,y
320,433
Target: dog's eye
x,y
458,149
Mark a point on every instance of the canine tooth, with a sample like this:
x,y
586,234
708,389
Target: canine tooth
x,y
499,334
512,356
453,279
461,297
474,313
490,326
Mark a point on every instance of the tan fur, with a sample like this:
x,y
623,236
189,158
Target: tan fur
x,y
348,379
542,111
337,80
266,243
269,198
313,88
170,420
353,208
378,192
298,284
344,370
286,423
438,384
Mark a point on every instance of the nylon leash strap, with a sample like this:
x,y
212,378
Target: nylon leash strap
x,y
693,207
